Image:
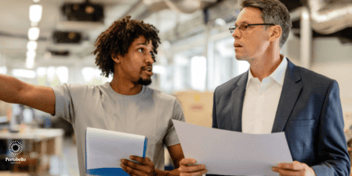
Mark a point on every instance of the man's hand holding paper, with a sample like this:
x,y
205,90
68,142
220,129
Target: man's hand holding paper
x,y
188,167
294,168
143,166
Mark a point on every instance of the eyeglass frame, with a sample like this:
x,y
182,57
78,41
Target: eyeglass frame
x,y
233,27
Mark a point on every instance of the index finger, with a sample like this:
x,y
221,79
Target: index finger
x,y
290,166
186,161
138,159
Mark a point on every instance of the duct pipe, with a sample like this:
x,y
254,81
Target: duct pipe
x,y
328,18
184,6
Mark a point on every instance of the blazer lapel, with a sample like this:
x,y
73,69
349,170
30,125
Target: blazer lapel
x,y
289,94
238,97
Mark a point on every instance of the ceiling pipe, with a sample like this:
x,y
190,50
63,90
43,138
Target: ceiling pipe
x,y
184,6
328,18
306,38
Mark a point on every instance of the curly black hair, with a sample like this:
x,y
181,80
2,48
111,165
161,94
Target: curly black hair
x,y
118,38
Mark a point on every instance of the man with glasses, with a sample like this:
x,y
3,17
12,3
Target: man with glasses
x,y
275,95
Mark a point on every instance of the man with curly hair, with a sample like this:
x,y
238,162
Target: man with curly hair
x,y
127,50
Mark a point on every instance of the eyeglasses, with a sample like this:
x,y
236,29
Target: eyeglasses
x,y
243,27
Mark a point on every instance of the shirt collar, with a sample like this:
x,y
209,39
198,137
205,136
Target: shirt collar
x,y
278,75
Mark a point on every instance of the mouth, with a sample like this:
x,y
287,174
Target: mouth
x,y
148,69
236,45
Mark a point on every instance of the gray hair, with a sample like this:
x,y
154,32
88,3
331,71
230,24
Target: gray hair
x,y
273,11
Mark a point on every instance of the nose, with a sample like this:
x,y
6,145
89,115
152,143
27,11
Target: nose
x,y
236,33
150,59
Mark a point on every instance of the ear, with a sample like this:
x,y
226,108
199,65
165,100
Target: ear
x,y
116,58
275,33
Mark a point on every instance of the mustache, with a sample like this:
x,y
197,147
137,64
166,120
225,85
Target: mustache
x,y
149,66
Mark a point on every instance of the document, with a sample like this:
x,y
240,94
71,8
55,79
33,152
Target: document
x,y
226,152
105,149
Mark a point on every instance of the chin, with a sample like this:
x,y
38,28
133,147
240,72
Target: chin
x,y
144,82
240,58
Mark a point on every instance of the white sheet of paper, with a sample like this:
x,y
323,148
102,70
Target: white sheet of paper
x,y
233,153
106,148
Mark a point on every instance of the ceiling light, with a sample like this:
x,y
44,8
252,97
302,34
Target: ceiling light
x,y
32,45
35,13
33,33
50,72
41,71
23,73
3,70
62,73
30,62
31,54
220,22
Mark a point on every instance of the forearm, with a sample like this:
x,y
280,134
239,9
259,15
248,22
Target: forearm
x,y
13,90
10,88
167,173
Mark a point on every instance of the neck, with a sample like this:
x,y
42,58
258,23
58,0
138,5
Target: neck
x,y
265,65
125,87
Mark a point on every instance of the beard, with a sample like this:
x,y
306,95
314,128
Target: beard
x,y
144,82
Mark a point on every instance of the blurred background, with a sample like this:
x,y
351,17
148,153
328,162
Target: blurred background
x,y
49,42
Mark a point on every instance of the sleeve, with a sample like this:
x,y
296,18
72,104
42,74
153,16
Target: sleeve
x,y
171,136
332,145
64,106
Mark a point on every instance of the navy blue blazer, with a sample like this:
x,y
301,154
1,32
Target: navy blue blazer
x,y
309,112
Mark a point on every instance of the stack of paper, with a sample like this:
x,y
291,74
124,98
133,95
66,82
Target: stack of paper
x,y
105,149
226,152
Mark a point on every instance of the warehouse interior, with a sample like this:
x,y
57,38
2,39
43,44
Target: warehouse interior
x,y
195,56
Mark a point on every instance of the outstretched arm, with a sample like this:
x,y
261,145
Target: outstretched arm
x,y
13,90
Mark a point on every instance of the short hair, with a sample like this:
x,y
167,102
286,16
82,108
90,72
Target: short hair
x,y
118,38
273,11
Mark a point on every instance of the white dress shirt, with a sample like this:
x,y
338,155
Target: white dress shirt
x,y
261,100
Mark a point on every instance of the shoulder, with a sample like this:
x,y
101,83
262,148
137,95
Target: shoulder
x,y
230,85
311,78
78,89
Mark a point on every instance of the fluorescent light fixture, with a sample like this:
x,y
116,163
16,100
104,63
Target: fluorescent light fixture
x,y
36,1
23,73
30,62
41,71
31,54
180,60
35,13
198,72
220,22
32,45
3,70
88,73
33,33
51,73
62,73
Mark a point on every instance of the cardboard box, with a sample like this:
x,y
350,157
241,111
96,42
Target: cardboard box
x,y
197,107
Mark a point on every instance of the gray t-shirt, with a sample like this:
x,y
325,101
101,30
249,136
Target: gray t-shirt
x,y
148,113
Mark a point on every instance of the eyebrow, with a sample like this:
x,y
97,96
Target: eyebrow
x,y
145,44
243,22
